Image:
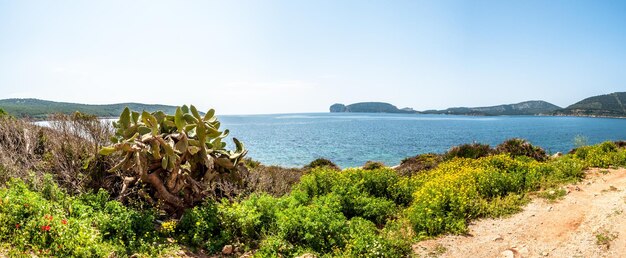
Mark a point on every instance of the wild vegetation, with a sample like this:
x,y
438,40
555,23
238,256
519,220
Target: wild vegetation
x,y
62,197
602,105
181,157
40,109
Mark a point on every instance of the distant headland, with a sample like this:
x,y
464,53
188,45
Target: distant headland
x,y
609,105
369,107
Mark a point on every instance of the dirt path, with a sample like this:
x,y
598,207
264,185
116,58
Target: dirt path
x,y
566,228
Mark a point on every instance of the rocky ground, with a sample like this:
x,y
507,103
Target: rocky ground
x,y
590,221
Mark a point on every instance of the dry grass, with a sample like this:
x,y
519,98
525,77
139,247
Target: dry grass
x,y
67,150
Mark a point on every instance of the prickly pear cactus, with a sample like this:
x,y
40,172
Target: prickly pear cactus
x,y
179,155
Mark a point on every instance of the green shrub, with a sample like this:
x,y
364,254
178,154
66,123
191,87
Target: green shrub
x,y
247,221
318,182
33,224
134,230
422,162
445,203
603,155
319,226
519,147
52,223
321,163
200,227
371,194
366,241
565,169
275,246
470,151
371,165
503,206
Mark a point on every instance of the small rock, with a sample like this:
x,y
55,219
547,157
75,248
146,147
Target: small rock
x,y
552,192
248,254
550,208
507,254
498,238
523,251
545,253
577,188
227,250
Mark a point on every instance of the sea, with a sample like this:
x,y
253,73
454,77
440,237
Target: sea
x,y
351,139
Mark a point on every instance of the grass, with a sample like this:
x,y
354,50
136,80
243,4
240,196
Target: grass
x,y
604,237
552,195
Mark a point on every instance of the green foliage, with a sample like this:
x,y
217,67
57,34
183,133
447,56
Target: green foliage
x,y
470,151
200,227
250,163
602,105
603,155
319,226
371,165
177,155
320,163
52,223
464,189
351,213
4,114
41,109
248,220
370,194
519,147
365,240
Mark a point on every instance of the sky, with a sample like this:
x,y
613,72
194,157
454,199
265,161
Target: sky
x,y
257,57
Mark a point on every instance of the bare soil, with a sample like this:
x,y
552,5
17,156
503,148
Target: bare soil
x,y
590,221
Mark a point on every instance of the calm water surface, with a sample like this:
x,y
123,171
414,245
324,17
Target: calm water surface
x,y
351,139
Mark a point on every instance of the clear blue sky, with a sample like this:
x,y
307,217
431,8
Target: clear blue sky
x,y
244,57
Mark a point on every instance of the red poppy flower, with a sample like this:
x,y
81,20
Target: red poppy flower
x,y
64,221
17,225
45,228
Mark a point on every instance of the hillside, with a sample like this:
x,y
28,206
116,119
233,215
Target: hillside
x,y
369,107
535,107
611,105
40,109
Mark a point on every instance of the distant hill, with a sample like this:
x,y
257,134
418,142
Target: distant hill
x,y
534,107
610,105
370,107
40,109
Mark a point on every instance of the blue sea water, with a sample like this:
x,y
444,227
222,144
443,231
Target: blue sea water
x,y
351,139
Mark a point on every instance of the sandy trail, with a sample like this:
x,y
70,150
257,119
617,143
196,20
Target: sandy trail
x,y
565,228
